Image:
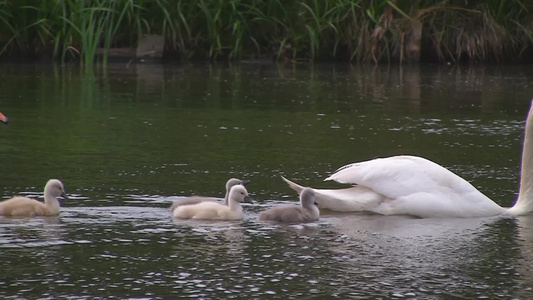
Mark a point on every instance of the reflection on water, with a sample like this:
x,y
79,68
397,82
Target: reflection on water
x,y
127,142
140,251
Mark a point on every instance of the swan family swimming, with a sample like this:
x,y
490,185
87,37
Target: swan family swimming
x,y
397,185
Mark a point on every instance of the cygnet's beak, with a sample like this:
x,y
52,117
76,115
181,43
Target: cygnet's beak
x,y
3,118
64,196
315,203
245,182
247,199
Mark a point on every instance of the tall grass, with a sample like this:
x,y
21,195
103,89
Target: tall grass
x,y
481,31
350,30
93,26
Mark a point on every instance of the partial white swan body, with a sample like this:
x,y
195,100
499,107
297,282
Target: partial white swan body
x,y
198,199
26,207
209,210
306,212
410,185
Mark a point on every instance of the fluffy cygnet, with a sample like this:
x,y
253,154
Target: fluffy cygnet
x,y
198,199
306,212
209,210
23,206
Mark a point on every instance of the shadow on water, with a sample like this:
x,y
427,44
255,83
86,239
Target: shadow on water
x,y
127,142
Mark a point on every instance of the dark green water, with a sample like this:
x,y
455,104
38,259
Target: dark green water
x,y
128,141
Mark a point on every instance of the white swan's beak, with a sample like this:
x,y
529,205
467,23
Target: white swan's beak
x,y
245,182
64,196
3,118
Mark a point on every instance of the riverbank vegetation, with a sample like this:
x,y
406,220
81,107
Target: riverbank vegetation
x,y
310,30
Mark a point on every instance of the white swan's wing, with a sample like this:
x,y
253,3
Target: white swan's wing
x,y
416,186
356,198
399,176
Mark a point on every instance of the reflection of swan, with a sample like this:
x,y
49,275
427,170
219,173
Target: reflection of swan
x,y
198,199
416,186
388,248
215,211
22,206
307,211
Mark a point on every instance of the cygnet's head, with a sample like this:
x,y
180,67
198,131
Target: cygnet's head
x,y
235,181
55,188
240,194
307,197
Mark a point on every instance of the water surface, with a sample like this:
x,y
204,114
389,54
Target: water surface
x,y
129,141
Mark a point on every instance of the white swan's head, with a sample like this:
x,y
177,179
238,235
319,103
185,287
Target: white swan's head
x,y
55,189
3,118
307,198
240,194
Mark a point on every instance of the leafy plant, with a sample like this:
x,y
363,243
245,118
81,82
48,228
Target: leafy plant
x,y
353,30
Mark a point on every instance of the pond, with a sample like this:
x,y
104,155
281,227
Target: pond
x,y
129,140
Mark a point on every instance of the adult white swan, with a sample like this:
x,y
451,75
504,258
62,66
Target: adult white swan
x,y
410,185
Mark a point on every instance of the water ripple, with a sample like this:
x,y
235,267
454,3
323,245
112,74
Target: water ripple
x,y
142,252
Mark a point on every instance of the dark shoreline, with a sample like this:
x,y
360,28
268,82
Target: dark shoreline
x,y
298,31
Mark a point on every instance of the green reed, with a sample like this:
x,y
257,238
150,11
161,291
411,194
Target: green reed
x,y
91,27
350,30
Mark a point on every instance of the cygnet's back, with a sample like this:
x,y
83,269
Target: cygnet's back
x,y
304,213
216,211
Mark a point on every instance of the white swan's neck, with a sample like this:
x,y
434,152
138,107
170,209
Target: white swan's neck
x,y
51,201
524,203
